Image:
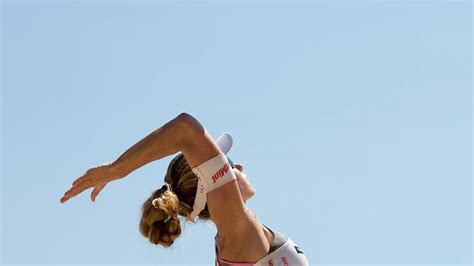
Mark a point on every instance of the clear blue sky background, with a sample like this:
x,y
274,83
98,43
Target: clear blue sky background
x,y
353,121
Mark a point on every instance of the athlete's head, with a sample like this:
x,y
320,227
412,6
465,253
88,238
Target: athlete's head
x,y
160,224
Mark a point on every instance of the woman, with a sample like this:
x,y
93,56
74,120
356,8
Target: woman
x,y
200,182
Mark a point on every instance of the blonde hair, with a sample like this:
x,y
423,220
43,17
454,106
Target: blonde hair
x,y
160,222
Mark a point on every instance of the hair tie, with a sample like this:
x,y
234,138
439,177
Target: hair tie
x,y
164,187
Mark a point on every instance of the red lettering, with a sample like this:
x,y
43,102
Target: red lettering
x,y
220,173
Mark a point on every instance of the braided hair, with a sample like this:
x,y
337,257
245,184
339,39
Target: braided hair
x,y
160,221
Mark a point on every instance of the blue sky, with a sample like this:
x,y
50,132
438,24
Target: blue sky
x,y
352,119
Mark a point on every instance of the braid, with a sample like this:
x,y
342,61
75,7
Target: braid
x,y
159,222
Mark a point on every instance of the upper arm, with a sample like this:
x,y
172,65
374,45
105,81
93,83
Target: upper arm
x,y
198,145
225,203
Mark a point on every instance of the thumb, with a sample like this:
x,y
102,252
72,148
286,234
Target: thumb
x,y
96,191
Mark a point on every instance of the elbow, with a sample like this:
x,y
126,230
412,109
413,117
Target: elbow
x,y
189,123
185,118
189,129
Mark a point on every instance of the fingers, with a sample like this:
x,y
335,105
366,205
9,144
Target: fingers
x,y
239,166
96,173
96,191
79,188
80,179
83,183
73,191
64,199
95,177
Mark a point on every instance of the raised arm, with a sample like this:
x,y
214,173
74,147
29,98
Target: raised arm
x,y
188,135
183,133
166,140
171,138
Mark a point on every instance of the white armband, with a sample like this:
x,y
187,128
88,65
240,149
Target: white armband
x,y
211,174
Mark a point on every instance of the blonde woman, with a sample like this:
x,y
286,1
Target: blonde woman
x,y
201,182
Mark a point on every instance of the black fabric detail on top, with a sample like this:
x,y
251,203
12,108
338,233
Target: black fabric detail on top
x,y
298,250
278,241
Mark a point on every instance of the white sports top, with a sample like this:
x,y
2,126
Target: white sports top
x,y
283,252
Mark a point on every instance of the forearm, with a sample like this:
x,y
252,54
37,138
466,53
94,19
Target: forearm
x,y
166,140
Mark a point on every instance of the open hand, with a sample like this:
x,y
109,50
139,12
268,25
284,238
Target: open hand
x,y
96,177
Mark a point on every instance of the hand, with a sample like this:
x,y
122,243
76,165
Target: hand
x,y
96,177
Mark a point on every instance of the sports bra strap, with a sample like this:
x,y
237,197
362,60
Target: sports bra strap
x,y
278,240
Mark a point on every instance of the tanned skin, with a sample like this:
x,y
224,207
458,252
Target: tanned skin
x,y
241,236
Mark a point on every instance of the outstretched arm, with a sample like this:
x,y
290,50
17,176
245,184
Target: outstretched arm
x,y
166,140
184,133
179,134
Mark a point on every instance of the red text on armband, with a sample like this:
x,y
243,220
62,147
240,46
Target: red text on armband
x,y
220,173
